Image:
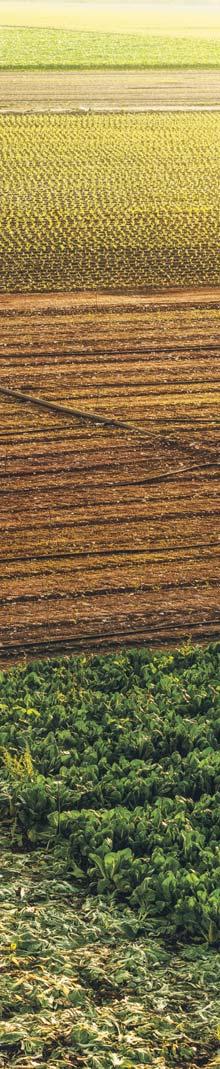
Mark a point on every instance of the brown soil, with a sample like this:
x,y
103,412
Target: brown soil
x,y
70,91
105,538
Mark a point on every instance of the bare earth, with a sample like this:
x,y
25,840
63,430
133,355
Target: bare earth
x,y
71,91
96,546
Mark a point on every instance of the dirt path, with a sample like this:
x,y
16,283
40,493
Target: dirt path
x,y
96,546
71,91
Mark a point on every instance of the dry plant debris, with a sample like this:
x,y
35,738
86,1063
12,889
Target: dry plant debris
x,y
86,980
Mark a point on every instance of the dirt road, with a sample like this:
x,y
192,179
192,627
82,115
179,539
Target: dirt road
x,y
107,539
70,91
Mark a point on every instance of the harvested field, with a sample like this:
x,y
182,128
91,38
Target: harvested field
x,y
109,202
70,91
109,889
84,983
104,759
96,547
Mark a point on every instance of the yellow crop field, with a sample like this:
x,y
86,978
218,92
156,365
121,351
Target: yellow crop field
x,y
120,17
115,201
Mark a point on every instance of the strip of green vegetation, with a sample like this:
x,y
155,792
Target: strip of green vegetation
x,y
115,761
47,48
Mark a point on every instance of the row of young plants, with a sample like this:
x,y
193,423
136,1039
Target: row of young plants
x,y
114,760
137,204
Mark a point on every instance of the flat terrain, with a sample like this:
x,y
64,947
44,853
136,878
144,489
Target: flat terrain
x,y
96,547
83,970
109,202
123,17
109,889
26,47
70,91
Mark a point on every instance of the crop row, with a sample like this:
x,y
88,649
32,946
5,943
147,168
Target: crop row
x,y
111,201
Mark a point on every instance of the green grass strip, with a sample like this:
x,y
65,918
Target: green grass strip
x,y
25,48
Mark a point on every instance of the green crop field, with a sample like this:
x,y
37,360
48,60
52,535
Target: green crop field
x,y
50,48
110,861
109,201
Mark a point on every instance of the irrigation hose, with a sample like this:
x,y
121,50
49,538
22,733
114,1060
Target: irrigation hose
x,y
95,417
78,413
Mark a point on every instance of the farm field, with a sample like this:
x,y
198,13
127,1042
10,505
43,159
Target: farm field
x,y
60,91
109,201
26,47
96,546
109,892
109,545
121,18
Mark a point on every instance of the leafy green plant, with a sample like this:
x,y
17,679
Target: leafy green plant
x,y
115,760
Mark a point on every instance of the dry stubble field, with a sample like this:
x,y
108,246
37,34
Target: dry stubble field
x,y
125,90
96,547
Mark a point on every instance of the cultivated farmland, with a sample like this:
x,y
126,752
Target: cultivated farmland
x,y
72,91
109,805
109,537
96,546
109,201
24,47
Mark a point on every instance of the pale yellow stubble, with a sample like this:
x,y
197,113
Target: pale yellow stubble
x,y
158,18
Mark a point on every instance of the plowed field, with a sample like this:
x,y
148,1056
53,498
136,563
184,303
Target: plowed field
x,y
72,91
105,537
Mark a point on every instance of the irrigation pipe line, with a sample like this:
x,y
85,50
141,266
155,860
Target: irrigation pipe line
x,y
94,417
78,413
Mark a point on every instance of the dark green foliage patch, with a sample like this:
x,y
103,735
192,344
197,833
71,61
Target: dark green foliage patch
x,y
114,761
